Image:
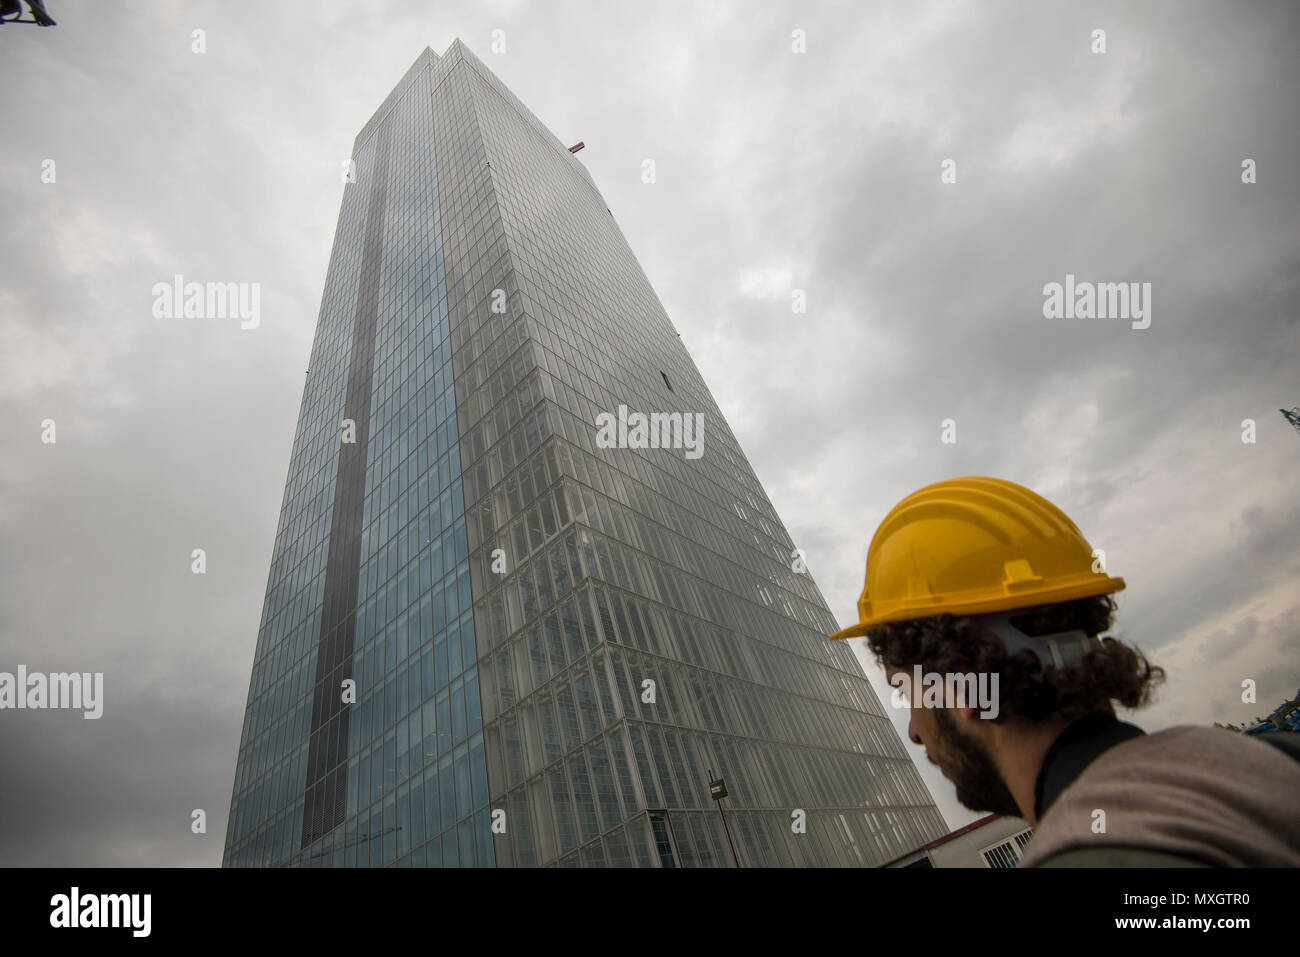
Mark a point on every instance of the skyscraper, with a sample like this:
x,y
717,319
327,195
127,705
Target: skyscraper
x,y
498,631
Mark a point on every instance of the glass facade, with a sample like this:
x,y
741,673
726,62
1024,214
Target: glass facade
x,y
552,641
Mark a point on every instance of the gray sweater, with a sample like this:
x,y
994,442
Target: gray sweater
x,y
1185,795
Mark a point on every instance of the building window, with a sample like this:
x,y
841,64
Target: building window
x,y
663,836
666,382
1008,853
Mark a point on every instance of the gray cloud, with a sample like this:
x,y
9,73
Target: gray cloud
x,y
818,172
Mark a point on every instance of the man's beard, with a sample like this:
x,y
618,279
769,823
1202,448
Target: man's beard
x,y
970,767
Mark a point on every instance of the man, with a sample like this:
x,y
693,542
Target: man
x,y
980,577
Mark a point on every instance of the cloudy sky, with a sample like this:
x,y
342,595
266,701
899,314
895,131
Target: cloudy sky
x,y
819,171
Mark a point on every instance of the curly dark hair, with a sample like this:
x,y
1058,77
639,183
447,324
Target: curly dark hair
x,y
957,644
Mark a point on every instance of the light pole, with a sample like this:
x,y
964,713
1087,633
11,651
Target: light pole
x,y
718,790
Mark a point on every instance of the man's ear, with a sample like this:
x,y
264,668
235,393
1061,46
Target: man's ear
x,y
970,721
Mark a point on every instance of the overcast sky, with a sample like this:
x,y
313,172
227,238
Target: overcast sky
x,y
818,171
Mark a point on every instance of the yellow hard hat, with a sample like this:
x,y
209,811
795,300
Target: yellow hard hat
x,y
973,546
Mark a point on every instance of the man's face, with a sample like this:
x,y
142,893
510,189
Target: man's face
x,y
962,757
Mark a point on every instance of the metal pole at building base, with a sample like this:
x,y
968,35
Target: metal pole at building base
x,y
718,790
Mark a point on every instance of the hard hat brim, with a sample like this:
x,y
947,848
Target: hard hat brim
x,y
1049,596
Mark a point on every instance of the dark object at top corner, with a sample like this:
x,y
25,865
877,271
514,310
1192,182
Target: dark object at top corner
x,y
11,9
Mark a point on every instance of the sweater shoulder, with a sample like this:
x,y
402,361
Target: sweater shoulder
x,y
1204,793
1115,855
1196,744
